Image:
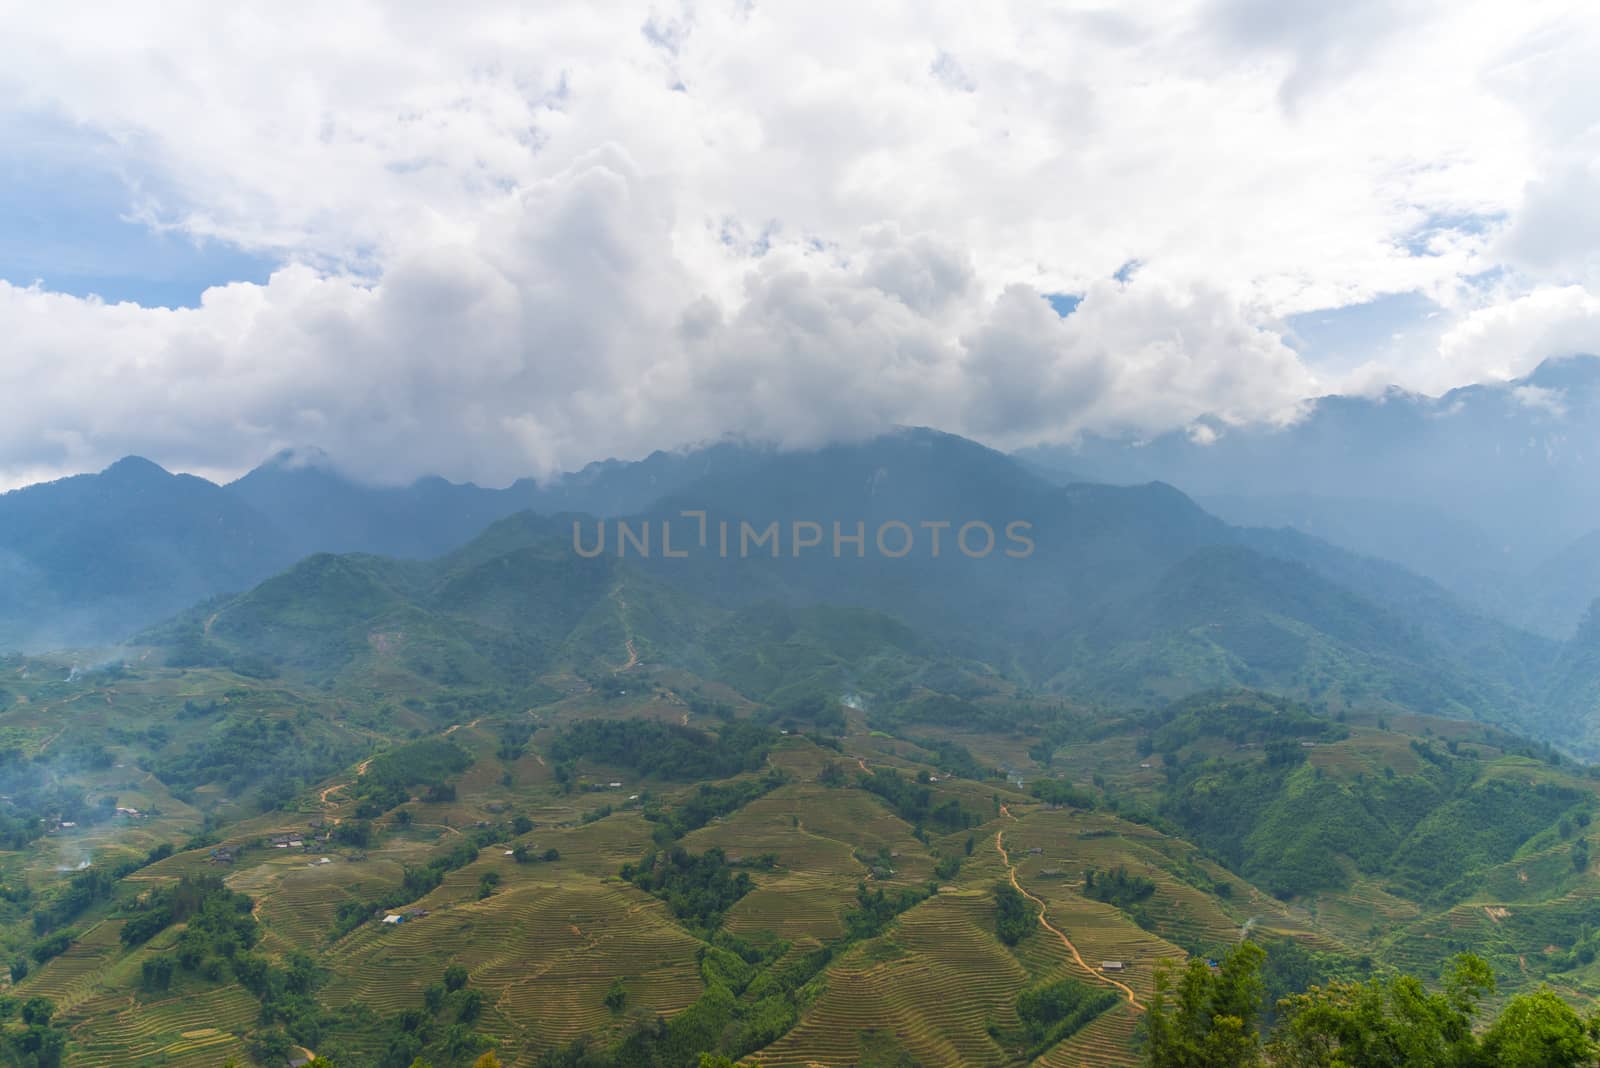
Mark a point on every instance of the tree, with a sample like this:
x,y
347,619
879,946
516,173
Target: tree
x,y
433,997
1538,1030
36,1012
455,977
616,996
156,973
1013,919
1385,1022
488,1060
1200,1018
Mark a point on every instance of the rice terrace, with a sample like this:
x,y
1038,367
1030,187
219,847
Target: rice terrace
x,y
756,534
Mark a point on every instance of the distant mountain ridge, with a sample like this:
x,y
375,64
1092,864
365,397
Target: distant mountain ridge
x,y
1131,593
1489,489
89,559
1128,594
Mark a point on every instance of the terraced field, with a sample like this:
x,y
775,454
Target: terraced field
x,y
544,956
793,907
198,1028
933,985
1107,1042
297,898
72,978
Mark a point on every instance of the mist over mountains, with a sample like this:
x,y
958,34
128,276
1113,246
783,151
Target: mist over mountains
x,y
1488,489
89,559
1134,593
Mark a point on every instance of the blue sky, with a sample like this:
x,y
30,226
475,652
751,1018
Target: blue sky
x,y
68,207
494,242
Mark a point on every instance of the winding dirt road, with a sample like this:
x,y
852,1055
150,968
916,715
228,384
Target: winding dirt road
x,y
1044,921
627,628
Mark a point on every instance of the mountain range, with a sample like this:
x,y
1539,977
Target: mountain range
x,y
1132,593
1488,489
88,559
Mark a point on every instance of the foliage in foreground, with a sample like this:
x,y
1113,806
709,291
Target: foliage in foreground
x,y
1202,1017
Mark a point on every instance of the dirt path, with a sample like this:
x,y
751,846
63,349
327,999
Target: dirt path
x,y
361,769
1044,921
46,743
627,629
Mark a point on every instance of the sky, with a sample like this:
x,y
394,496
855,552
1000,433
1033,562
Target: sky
x,y
492,240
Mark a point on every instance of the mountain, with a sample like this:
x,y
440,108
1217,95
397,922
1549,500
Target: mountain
x,y
733,802
90,557
1476,488
1106,566
322,510
1128,594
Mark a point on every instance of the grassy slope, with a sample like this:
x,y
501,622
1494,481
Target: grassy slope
x,y
546,944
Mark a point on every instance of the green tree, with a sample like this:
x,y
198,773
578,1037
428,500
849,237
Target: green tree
x,y
1538,1030
1013,919
1385,1022
1200,1018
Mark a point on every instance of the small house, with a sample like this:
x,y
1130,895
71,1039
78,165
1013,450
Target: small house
x,y
394,917
1112,966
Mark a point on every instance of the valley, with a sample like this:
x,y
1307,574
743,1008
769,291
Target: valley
x,y
613,811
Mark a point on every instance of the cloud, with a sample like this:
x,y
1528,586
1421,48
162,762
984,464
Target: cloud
x,y
1509,339
1556,233
516,238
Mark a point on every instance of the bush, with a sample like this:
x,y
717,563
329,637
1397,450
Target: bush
x,y
1013,916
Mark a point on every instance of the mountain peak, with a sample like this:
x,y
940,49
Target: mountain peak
x,y
135,468
1560,372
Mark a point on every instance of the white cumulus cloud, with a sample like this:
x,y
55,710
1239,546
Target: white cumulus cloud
x,y
517,237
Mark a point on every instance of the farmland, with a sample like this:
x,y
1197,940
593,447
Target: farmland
x,y
505,868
